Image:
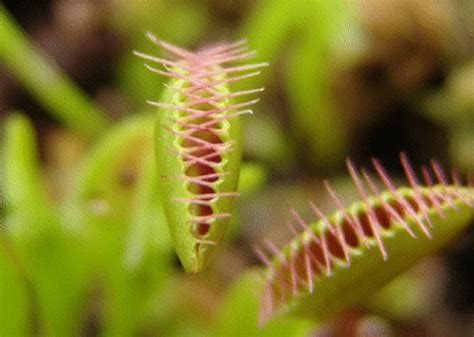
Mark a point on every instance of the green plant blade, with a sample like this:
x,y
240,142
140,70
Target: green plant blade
x,y
104,187
14,302
116,209
49,254
46,82
29,210
239,311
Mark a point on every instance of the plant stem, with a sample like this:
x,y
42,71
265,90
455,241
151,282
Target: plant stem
x,y
46,81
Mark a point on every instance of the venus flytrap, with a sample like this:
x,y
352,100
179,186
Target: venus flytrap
x,y
111,231
198,143
342,258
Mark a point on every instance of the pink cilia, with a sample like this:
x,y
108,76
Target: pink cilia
x,y
198,141
325,250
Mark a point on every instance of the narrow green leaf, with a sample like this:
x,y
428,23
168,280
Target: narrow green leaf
x,y
46,81
29,209
50,255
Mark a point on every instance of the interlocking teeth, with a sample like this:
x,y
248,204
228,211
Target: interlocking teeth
x,y
202,120
314,253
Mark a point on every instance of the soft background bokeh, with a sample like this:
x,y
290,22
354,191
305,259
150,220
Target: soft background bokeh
x,y
84,249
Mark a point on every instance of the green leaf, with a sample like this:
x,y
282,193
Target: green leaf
x,y
29,209
238,314
14,301
51,256
42,77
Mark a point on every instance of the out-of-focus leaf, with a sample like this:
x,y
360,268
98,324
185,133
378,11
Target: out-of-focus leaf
x,y
14,304
148,233
180,22
406,298
267,28
252,177
29,210
328,25
46,81
147,260
317,36
115,208
461,148
238,314
264,140
105,184
49,254
454,105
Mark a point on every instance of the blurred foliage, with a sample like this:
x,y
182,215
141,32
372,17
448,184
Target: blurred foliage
x,y
84,248
331,42
62,98
453,107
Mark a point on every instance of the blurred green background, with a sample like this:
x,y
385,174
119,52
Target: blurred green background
x,y
84,247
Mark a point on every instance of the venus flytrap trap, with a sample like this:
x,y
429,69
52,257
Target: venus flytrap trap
x,y
342,258
181,170
198,143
